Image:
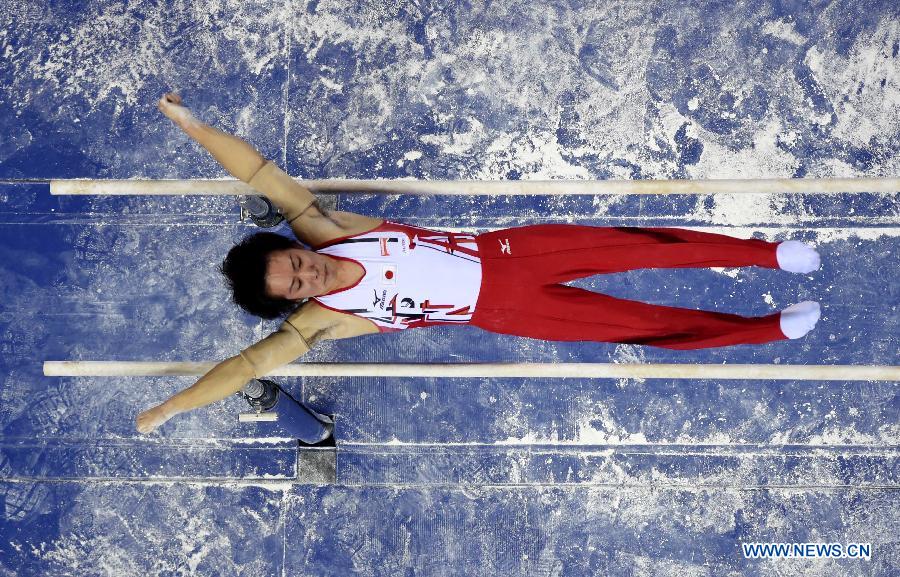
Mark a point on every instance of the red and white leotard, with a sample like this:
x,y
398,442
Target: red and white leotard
x,y
414,277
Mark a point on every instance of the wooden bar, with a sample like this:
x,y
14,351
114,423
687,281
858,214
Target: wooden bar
x,y
495,370
488,187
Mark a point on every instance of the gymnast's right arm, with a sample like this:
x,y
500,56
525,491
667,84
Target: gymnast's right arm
x,y
299,332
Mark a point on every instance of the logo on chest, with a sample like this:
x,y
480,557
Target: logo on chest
x,y
385,247
379,301
388,274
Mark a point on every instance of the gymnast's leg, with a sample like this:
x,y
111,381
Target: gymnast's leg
x,y
555,253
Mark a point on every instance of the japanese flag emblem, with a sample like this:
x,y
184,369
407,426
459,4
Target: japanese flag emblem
x,y
389,274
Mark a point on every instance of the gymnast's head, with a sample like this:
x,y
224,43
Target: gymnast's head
x,y
270,275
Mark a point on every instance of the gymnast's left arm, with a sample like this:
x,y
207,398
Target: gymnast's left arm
x,y
309,222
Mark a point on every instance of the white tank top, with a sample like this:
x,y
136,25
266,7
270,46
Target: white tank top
x,y
413,277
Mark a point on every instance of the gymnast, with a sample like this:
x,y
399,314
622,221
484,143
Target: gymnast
x,y
351,275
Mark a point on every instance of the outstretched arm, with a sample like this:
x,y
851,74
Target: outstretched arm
x,y
307,326
230,376
309,222
226,378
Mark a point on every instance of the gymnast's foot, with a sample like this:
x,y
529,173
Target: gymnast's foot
x,y
796,256
799,319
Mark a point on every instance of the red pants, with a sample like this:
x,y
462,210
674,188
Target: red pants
x,y
523,267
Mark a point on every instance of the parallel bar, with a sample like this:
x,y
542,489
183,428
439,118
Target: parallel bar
x,y
486,187
498,370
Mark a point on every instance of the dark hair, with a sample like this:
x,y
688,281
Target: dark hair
x,y
245,269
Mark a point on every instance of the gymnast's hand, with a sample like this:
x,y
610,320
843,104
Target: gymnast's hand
x,y
150,419
170,105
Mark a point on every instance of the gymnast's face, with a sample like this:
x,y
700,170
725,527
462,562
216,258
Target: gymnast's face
x,y
296,274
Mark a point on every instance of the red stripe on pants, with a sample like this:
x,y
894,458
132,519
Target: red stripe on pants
x,y
521,295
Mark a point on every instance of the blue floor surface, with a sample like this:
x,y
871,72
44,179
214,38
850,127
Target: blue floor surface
x,y
440,477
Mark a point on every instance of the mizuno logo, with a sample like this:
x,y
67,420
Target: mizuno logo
x,y
379,301
504,246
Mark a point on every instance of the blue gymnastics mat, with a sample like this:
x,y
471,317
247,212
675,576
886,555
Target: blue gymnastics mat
x,y
448,477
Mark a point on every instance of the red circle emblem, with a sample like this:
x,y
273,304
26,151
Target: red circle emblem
x,y
389,274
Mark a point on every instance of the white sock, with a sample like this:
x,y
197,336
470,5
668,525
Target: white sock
x,y
799,319
796,256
